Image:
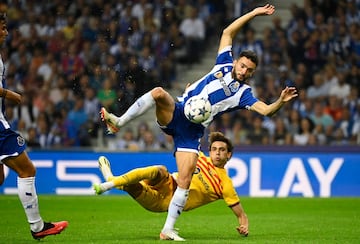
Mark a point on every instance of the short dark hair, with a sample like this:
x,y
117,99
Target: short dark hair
x,y
250,55
3,10
2,16
218,136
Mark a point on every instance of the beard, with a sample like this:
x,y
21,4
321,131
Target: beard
x,y
242,79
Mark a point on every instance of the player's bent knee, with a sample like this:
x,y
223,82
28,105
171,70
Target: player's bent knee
x,y
162,171
158,93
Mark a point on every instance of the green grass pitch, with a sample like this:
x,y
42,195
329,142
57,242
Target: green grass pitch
x,y
119,219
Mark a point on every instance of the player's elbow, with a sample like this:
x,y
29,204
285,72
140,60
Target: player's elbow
x,y
227,33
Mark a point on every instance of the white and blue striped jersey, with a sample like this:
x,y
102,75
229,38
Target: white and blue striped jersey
x,y
224,93
11,143
3,123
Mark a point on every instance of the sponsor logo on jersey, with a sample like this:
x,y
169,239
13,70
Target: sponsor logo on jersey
x,y
219,75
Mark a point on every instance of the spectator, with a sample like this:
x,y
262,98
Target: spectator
x,y
320,117
251,43
341,89
72,64
319,90
293,122
66,101
11,118
334,108
258,135
126,142
239,133
349,126
303,136
32,138
107,95
193,28
281,135
147,142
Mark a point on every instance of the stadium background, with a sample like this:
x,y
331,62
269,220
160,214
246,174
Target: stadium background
x,y
69,58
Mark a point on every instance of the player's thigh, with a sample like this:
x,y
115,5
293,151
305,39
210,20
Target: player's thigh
x,y
21,164
186,162
2,176
154,200
165,105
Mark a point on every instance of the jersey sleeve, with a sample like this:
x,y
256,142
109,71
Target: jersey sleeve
x,y
225,56
229,194
247,99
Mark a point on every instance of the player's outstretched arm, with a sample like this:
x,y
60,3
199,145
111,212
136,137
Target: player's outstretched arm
x,y
243,227
268,110
10,95
230,31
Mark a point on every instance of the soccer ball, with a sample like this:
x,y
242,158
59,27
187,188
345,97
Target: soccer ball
x,y
197,109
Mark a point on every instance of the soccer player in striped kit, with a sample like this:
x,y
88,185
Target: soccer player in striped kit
x,y
225,87
14,156
153,186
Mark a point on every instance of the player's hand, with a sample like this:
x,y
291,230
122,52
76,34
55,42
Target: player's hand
x,y
264,10
243,230
288,93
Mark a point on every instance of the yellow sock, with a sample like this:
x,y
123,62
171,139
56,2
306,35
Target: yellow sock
x,y
135,175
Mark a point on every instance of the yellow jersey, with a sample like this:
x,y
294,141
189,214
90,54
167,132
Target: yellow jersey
x,y
208,184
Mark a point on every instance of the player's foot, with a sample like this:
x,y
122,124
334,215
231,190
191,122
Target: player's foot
x,y
170,235
110,121
50,229
104,166
99,189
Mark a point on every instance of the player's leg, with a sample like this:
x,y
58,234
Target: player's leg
x,y
154,195
131,177
164,107
25,170
186,162
151,173
2,176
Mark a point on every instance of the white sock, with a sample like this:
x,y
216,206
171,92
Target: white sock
x,y
107,185
176,206
28,197
139,107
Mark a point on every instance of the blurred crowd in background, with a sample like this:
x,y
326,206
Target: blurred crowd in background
x,y
69,58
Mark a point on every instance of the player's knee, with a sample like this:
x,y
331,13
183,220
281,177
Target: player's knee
x,y
184,182
162,171
29,171
158,93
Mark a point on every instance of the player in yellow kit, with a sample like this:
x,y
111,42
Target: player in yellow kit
x,y
153,187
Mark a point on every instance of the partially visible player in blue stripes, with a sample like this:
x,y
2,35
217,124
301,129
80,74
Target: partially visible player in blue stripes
x,y
226,88
14,156
153,186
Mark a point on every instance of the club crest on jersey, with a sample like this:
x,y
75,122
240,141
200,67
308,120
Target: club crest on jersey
x,y
20,141
196,171
235,86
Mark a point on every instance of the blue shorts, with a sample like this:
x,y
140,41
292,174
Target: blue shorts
x,y
186,135
11,144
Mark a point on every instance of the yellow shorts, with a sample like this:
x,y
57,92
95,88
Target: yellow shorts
x,y
157,198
